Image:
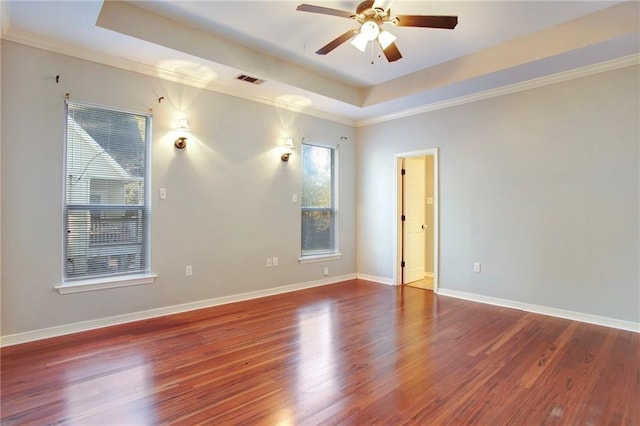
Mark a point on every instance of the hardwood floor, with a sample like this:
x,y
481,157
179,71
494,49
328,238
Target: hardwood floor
x,y
349,353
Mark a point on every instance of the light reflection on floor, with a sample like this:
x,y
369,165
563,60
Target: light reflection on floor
x,y
113,396
316,375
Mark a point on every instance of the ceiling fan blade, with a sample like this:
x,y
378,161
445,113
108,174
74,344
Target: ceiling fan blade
x,y
324,10
336,42
446,22
392,53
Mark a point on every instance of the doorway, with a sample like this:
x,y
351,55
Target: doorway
x,y
417,219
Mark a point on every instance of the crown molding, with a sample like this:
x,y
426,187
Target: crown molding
x,y
158,72
189,80
585,71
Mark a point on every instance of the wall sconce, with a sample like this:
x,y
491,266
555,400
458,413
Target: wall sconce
x,y
182,129
288,145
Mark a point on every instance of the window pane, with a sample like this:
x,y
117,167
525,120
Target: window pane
x,y
318,212
106,152
317,231
104,241
106,215
316,176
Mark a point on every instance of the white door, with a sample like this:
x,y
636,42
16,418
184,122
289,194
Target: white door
x,y
414,223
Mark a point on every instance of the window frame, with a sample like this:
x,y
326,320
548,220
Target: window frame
x,y
100,282
333,253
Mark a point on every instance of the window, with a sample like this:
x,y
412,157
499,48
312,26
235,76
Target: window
x,y
318,201
106,200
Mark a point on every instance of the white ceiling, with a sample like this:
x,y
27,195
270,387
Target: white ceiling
x,y
208,43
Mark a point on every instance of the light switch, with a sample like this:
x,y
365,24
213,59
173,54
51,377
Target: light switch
x,y
294,198
163,193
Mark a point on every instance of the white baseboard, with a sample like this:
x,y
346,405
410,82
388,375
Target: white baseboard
x,y
61,330
30,336
544,310
379,280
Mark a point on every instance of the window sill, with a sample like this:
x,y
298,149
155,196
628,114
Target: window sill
x,y
319,257
105,283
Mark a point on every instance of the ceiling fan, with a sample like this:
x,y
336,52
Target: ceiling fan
x,y
372,15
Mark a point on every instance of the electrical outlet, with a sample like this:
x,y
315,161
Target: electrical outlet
x,y
476,267
326,271
294,198
163,193
275,261
269,262
188,270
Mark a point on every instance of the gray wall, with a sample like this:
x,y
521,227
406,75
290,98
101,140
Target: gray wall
x,y
540,186
229,203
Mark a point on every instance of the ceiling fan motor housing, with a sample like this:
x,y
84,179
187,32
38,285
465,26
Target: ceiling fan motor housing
x,y
366,12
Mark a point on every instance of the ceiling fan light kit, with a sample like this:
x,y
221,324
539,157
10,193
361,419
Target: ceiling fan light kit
x,y
372,15
370,30
385,39
360,42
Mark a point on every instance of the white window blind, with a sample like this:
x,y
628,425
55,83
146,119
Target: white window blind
x,y
106,204
318,200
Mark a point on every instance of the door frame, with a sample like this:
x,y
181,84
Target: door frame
x,y
397,225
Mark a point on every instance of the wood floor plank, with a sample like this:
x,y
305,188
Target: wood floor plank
x,y
349,353
546,358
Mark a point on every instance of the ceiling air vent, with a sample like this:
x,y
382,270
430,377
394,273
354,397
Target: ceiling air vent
x,y
249,79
